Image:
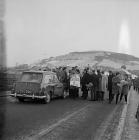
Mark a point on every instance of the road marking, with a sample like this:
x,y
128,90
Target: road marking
x,y
50,128
120,127
103,127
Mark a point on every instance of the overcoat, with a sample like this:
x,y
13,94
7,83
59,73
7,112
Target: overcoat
x,y
110,82
104,83
99,79
84,81
125,88
115,81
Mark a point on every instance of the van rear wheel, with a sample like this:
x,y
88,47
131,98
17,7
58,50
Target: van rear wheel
x,y
20,99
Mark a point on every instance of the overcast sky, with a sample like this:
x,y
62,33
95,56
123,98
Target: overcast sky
x,y
38,29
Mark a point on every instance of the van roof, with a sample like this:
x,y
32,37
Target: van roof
x,y
39,71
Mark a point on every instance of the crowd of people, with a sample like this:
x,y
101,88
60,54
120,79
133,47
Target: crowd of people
x,y
97,85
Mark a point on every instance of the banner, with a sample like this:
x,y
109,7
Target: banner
x,y
75,80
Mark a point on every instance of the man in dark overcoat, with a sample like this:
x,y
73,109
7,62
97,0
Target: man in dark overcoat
x,y
93,80
98,81
84,81
110,86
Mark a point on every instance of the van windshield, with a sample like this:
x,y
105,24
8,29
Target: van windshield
x,y
31,77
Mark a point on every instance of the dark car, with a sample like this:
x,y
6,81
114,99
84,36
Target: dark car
x,y
38,85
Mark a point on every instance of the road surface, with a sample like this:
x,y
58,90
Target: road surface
x,y
66,119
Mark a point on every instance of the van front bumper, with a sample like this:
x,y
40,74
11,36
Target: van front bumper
x,y
27,96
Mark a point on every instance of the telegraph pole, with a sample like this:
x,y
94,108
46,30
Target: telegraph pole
x,y
2,36
3,79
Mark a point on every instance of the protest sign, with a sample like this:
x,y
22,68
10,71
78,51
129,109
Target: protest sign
x,y
75,80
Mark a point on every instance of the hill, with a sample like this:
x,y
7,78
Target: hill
x,y
93,58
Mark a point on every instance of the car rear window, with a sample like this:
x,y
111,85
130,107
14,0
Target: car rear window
x,y
31,77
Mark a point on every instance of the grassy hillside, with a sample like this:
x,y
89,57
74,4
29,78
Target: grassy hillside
x,y
99,58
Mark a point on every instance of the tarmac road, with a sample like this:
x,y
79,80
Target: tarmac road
x,y
66,119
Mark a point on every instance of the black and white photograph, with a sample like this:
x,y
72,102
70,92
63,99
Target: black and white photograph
x,y
69,69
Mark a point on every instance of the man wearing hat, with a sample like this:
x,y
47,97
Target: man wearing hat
x,y
85,82
110,86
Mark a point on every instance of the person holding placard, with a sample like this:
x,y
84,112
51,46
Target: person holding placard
x,y
74,83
